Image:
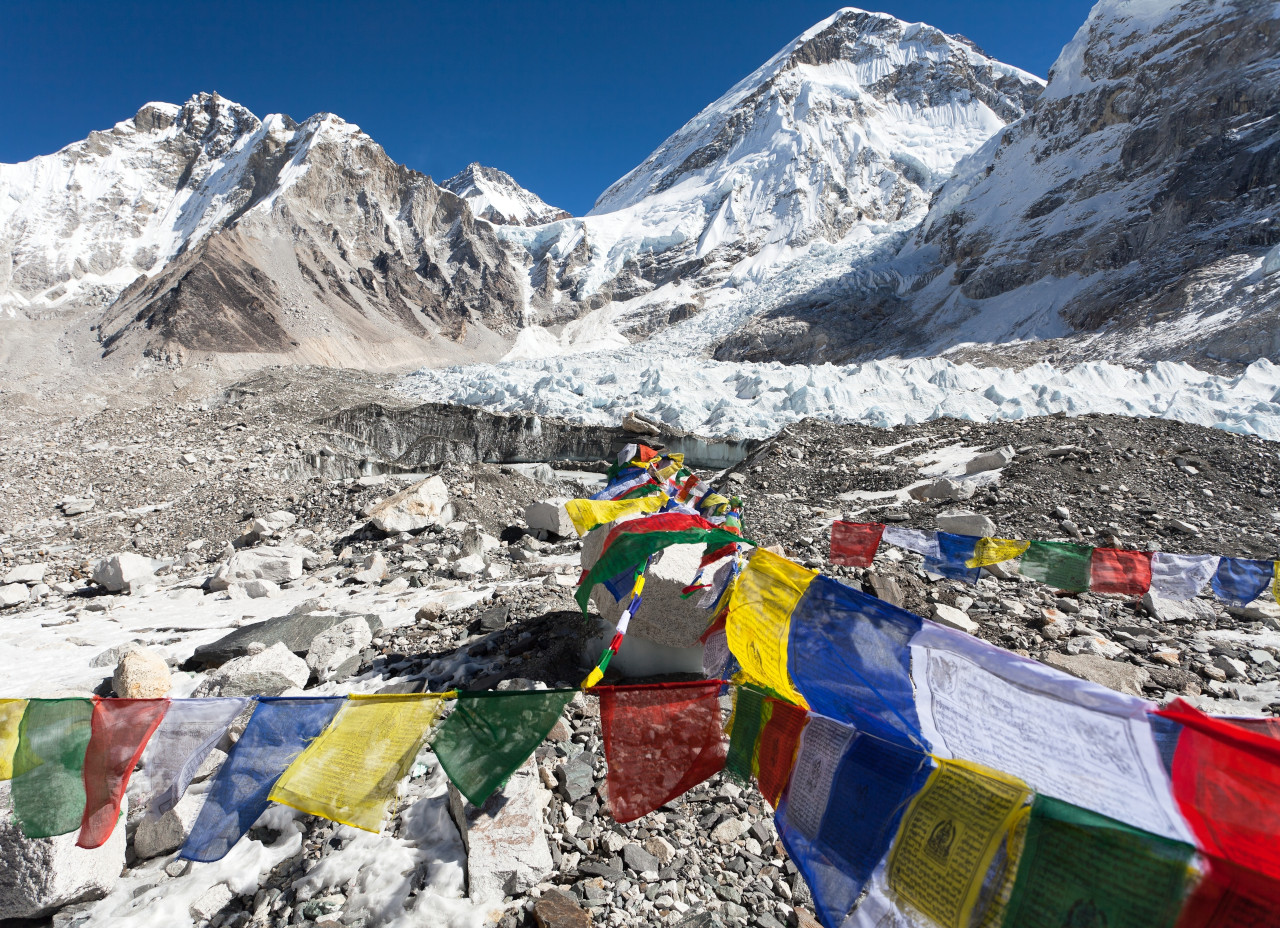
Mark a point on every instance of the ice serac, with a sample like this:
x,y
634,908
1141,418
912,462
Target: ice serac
x,y
843,135
205,231
1137,198
495,196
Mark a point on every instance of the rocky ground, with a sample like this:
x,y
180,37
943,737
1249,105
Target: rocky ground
x,y
229,513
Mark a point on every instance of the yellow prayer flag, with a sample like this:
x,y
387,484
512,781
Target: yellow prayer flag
x,y
1275,580
11,711
949,837
759,620
995,550
587,514
349,773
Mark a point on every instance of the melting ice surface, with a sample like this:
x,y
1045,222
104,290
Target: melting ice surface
x,y
750,400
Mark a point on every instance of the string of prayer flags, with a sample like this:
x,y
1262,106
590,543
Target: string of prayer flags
x,y
854,544
48,766
587,514
348,777
1127,573
775,754
1081,868
1058,564
758,625
990,551
1239,581
489,735
278,731
952,560
10,719
950,836
119,732
849,658
660,741
1180,577
190,730
841,810
745,725
1226,778
630,544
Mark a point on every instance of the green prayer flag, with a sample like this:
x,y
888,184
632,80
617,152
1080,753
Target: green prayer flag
x,y
744,732
1059,564
489,735
1079,868
48,766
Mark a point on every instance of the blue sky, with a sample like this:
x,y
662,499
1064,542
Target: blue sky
x,y
564,96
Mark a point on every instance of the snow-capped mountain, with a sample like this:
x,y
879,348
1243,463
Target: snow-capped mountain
x,y
1126,216
494,195
845,133
201,230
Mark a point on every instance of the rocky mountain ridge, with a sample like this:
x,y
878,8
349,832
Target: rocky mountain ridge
x,y
495,196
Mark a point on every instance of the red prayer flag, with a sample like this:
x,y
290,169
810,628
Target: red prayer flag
x,y
854,544
660,741
1115,571
119,731
1228,896
779,741
1225,779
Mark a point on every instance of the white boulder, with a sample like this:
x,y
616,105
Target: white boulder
x,y
422,505
966,523
335,653
269,672
14,594
550,517
990,460
279,565
955,618
30,574
124,572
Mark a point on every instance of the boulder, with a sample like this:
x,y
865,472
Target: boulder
x,y
163,834
374,569
955,618
268,673
541,473
990,460
943,488
636,424
420,506
141,674
111,657
273,523
123,573
334,654
550,517
252,589
76,507
966,523
41,875
475,541
279,565
14,594
1191,612
557,909
30,574
1125,678
296,632
507,851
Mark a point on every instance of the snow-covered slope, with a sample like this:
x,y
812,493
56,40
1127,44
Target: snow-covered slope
x,y
494,195
1127,215
845,133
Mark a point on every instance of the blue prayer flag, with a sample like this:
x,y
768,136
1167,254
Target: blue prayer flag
x,y
1239,580
953,551
848,656
277,732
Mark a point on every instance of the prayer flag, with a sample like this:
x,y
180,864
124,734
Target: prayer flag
x,y
839,814
1231,896
350,772
660,741
1180,577
949,837
1080,868
1226,779
850,659
954,554
912,539
120,729
1239,580
10,719
48,764
191,728
278,731
758,625
776,750
1125,572
854,544
489,735
744,732
1058,564
630,544
990,551
587,514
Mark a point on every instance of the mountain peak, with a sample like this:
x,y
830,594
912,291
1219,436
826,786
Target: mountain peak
x,y
496,196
